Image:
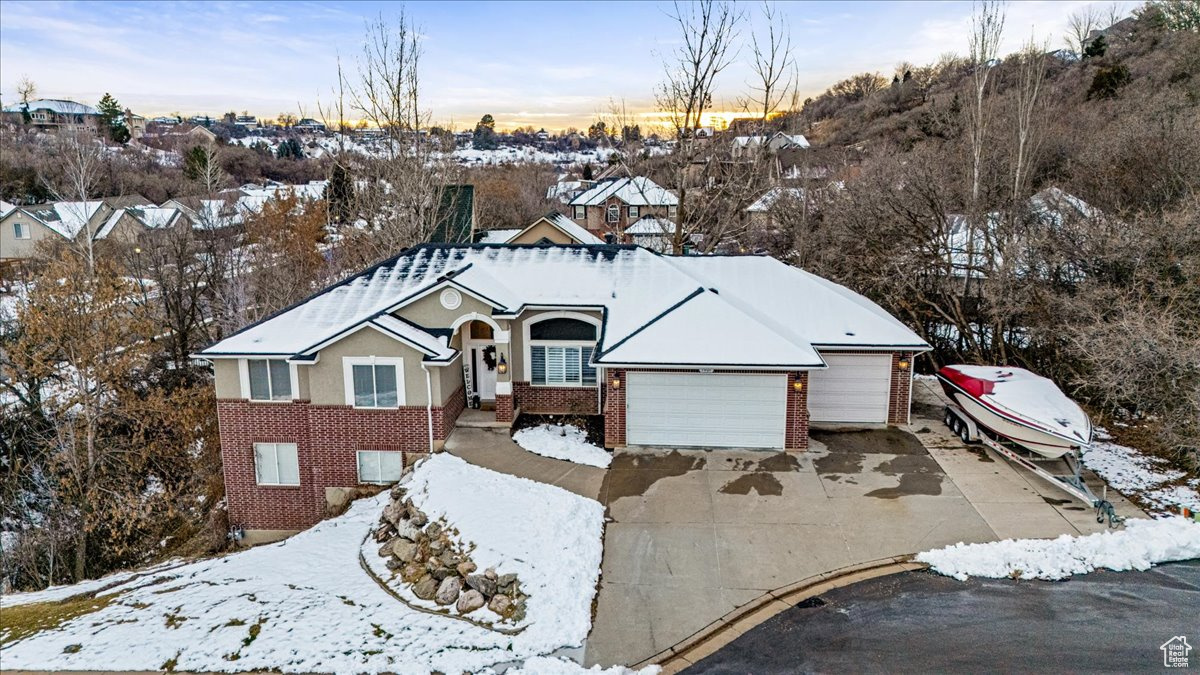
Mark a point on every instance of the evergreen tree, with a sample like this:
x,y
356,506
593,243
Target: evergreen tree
x,y
112,119
195,163
340,194
290,149
485,134
1095,48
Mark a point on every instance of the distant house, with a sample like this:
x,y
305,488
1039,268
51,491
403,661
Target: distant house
x,y
24,227
745,146
566,189
201,133
132,224
653,233
247,121
309,124
554,228
52,114
166,121
612,205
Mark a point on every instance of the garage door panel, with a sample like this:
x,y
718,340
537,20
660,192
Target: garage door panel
x,y
706,410
854,388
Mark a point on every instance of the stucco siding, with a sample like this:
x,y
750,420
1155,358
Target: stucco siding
x,y
541,229
228,378
11,247
326,380
429,313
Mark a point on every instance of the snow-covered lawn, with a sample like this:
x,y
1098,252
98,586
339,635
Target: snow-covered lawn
x,y
562,441
1141,544
305,604
1133,473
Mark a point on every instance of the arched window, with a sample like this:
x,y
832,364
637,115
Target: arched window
x,y
614,213
560,351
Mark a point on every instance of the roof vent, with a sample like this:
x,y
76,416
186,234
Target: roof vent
x,y
715,291
850,333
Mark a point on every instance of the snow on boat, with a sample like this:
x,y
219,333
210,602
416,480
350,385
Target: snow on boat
x,y
1020,406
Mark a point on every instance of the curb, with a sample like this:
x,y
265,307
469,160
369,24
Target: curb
x,y
728,628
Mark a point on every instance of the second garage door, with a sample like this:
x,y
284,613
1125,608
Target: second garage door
x,y
854,388
712,410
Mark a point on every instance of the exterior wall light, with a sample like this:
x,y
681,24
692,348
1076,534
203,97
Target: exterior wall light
x,y
502,366
903,364
798,385
616,383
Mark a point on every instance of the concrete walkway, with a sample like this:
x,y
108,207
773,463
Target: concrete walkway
x,y
694,534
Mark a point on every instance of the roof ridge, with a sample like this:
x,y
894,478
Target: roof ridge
x,y
651,322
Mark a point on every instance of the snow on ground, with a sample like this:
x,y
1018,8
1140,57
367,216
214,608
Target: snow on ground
x,y
305,604
562,441
549,537
1131,473
542,665
1140,545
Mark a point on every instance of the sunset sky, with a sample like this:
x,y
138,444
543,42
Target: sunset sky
x,y
551,65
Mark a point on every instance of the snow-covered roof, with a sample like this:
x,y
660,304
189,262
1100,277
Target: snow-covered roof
x,y
797,140
750,311
5,207
768,199
56,105
565,225
636,191
152,217
651,225
497,236
64,218
563,188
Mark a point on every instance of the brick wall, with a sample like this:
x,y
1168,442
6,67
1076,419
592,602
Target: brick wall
x,y
327,439
614,410
504,408
796,433
899,403
556,400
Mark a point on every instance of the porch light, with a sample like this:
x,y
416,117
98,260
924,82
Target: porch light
x,y
616,383
903,364
798,385
502,366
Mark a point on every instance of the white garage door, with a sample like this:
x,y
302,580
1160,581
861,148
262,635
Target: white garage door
x,y
854,388
710,410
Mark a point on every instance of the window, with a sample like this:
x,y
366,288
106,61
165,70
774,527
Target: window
x,y
614,213
633,213
375,466
269,379
276,464
579,212
559,351
20,231
672,211
374,382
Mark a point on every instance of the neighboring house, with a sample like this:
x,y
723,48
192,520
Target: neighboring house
x,y
201,134
612,205
136,124
653,233
52,114
746,146
22,228
759,213
248,121
130,225
495,236
311,125
346,387
554,228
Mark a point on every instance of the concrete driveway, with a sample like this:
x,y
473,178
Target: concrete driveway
x,y
694,534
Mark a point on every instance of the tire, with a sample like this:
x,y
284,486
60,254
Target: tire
x,y
948,420
965,433
956,425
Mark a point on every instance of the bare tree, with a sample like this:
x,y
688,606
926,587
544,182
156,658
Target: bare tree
x,y
772,64
987,26
71,173
708,30
1031,71
1080,25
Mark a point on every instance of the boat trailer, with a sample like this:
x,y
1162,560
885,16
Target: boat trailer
x,y
971,431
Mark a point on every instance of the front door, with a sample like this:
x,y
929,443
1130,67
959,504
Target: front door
x,y
483,365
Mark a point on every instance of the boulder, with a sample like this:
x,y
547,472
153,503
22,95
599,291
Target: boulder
x,y
426,588
501,604
394,512
449,559
383,533
439,572
490,573
418,518
406,529
398,492
505,581
393,564
466,567
404,549
412,572
447,592
434,530
470,601
436,545
386,549
481,583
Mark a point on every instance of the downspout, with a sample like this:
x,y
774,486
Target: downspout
x,y
429,403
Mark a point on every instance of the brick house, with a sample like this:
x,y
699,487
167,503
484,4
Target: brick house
x,y
346,387
611,205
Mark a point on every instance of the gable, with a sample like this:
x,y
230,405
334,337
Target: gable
x,y
542,229
429,312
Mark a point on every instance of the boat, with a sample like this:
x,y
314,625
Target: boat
x,y
1019,406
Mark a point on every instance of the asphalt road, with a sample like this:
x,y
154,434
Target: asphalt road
x,y
920,622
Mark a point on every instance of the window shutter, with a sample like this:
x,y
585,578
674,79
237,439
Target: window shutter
x,y
571,364
556,366
260,388
537,365
589,372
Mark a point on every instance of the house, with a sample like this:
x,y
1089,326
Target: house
x,y
497,236
52,114
247,121
654,233
746,146
22,228
759,212
344,388
611,205
130,225
554,228
310,125
201,134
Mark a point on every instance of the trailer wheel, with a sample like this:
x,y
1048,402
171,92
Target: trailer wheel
x,y
949,418
965,433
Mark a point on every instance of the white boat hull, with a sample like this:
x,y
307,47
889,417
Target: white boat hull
x,y
1035,441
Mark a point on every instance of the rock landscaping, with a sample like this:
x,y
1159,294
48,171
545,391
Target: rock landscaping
x,y
428,558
